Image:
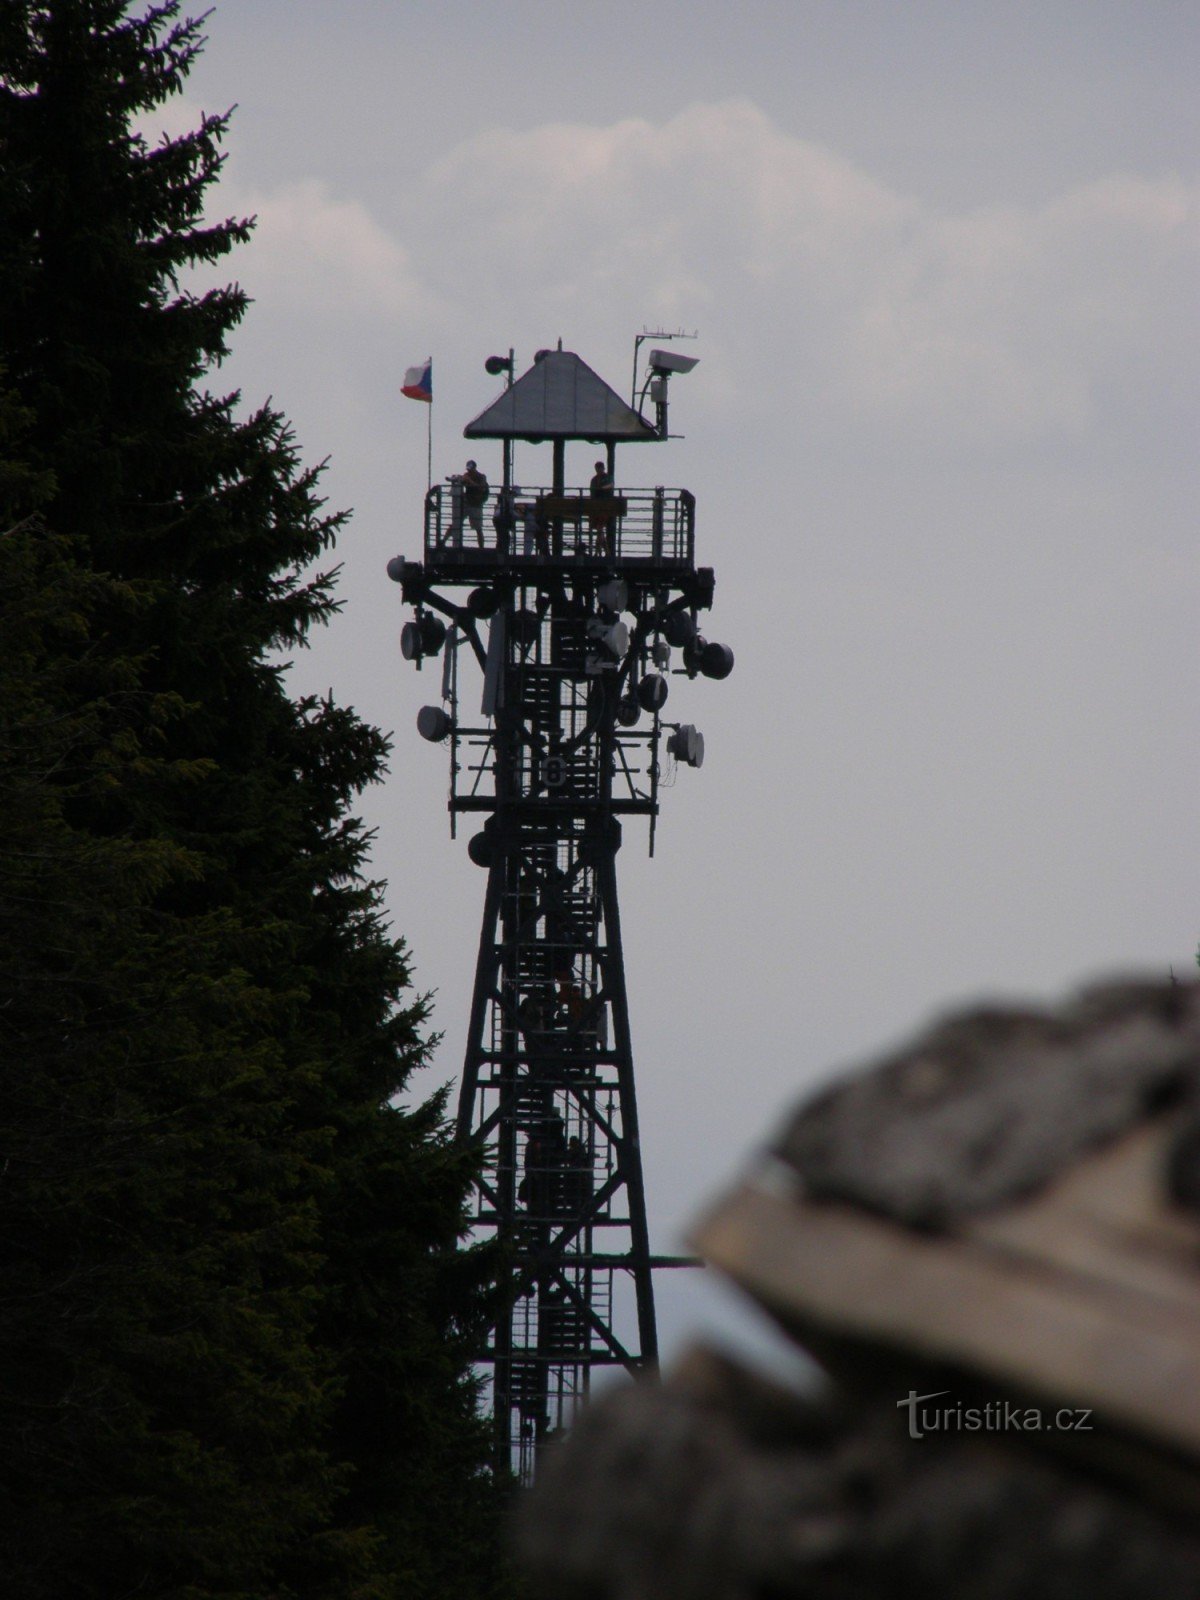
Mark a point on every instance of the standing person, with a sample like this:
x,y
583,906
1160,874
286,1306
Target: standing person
x,y
600,518
537,540
475,493
504,518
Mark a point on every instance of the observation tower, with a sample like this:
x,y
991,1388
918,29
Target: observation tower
x,y
580,608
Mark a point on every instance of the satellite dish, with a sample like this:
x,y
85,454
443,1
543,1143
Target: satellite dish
x,y
433,633
716,661
687,744
652,692
433,724
479,848
614,595
679,627
613,636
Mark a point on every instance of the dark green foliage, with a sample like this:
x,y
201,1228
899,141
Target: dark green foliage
x,y
235,1324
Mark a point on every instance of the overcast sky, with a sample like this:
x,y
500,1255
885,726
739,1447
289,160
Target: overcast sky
x,y
942,259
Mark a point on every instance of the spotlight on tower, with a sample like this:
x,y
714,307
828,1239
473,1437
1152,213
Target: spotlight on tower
x,y
498,364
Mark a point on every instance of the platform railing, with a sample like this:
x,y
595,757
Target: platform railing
x,y
535,524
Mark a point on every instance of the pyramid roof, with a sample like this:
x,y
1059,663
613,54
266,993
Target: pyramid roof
x,y
560,397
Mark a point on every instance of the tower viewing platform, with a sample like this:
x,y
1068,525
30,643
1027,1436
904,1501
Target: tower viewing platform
x,y
603,527
634,532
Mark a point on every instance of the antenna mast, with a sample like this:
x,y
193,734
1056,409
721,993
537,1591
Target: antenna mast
x,y
579,605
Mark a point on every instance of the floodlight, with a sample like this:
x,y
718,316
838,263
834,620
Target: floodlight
x,y
497,364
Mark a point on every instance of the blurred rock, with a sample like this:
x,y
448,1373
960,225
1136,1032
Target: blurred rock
x,y
994,1228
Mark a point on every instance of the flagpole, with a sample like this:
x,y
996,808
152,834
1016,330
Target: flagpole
x,y
418,385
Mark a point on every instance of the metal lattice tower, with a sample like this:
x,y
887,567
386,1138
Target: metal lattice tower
x,y
576,604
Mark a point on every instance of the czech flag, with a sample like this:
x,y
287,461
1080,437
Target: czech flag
x,y
418,382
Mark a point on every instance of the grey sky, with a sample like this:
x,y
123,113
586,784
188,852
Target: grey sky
x,y
943,262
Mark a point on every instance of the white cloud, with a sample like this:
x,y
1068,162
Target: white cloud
x,y
312,252
1015,317
321,255
1000,323
824,296
705,206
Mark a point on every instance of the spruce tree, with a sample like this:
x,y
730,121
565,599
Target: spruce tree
x,y
236,1324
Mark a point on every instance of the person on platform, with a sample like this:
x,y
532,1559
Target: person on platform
x,y
475,492
601,514
504,518
570,995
